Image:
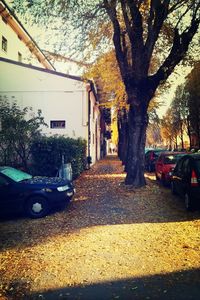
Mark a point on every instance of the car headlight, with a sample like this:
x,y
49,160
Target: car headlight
x,y
63,188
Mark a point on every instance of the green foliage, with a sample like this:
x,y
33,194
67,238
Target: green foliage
x,y
47,155
18,130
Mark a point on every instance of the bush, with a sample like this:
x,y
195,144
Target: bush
x,y
18,129
47,153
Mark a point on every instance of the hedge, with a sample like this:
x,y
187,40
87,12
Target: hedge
x,y
47,152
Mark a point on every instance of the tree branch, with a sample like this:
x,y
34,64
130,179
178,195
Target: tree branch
x,y
177,5
158,14
136,36
180,46
185,12
120,55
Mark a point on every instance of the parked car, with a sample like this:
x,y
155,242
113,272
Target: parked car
x,y
147,149
165,164
21,192
150,159
186,180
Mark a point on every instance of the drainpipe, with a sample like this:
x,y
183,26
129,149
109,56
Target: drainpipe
x,y
89,132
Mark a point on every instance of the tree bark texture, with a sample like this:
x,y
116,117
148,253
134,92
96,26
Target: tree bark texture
x,y
123,136
135,161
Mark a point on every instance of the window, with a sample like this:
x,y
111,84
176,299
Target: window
x,y
4,44
185,167
57,124
197,162
19,57
178,167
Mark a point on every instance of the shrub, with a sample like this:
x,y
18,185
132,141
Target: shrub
x,y
47,153
18,129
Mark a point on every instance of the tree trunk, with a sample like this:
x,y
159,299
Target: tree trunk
x,y
182,142
189,132
135,164
123,136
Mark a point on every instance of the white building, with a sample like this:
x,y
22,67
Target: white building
x,y
16,43
69,105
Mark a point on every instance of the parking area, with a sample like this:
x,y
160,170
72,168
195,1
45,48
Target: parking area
x,y
111,242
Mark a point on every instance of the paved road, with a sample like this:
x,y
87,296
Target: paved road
x,y
112,242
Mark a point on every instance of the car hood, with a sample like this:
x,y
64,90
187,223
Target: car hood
x,y
47,181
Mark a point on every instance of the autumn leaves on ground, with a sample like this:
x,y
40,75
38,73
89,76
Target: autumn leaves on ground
x,y
111,242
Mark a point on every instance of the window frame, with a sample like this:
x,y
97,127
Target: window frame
x,y
57,122
4,44
19,57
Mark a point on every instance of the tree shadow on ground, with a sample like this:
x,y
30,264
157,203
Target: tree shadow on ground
x,y
183,285
101,199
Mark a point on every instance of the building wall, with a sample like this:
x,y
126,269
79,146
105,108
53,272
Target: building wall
x,y
15,45
60,98
95,129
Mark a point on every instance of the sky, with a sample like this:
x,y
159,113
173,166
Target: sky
x,y
176,79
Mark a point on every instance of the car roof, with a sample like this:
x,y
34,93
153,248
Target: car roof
x,y
172,153
156,150
195,156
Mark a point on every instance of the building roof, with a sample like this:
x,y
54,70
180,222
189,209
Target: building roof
x,y
41,69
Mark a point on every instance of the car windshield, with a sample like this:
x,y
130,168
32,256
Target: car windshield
x,y
172,159
16,175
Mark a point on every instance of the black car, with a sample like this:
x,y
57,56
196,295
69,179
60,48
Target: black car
x,y
186,180
21,192
150,159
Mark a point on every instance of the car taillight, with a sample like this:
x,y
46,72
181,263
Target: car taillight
x,y
194,181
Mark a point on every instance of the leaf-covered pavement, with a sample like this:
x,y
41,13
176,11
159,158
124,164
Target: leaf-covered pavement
x,y
111,242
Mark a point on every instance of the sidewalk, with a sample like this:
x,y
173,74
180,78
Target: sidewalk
x,y
112,242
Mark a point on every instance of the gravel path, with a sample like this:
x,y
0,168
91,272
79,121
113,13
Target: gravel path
x,y
111,242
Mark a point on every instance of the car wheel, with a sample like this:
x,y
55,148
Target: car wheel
x,y
173,190
189,204
37,207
